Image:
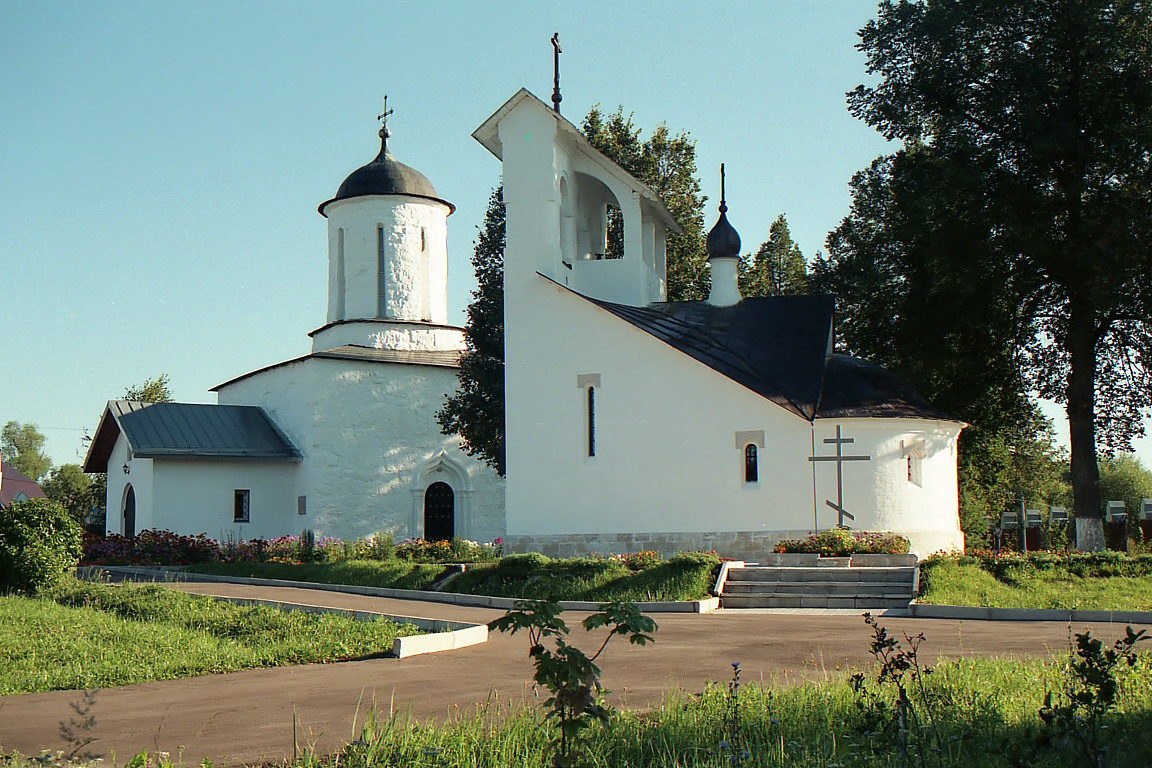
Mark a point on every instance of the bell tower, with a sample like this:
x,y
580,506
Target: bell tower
x,y
387,258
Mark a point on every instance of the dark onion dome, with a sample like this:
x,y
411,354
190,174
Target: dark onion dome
x,y
386,176
723,240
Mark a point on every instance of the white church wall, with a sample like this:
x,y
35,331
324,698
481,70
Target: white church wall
x,y
389,335
364,430
416,256
666,453
880,492
197,496
140,477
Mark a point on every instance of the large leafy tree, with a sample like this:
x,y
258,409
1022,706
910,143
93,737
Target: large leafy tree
x,y
1045,109
666,162
476,410
22,446
777,268
151,391
77,492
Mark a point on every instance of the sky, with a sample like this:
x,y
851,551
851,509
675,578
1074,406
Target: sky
x,y
161,163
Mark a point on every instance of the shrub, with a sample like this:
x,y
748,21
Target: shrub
x,y
39,543
523,563
642,560
695,559
841,542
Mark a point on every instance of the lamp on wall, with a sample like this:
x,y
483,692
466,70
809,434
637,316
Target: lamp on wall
x,y
127,469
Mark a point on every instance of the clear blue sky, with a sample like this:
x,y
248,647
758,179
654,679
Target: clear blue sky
x,y
161,163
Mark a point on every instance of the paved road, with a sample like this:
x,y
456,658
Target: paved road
x,y
246,717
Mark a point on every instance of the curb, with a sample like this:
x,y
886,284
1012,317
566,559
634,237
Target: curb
x,y
171,573
445,635
925,611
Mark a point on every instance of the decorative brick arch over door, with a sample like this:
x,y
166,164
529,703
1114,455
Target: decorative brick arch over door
x,y
440,481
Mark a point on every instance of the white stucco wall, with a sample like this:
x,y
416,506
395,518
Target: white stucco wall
x,y
667,459
371,445
140,476
194,496
389,335
416,255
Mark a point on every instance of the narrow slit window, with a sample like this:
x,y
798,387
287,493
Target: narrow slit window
x,y
751,464
591,421
382,284
341,287
241,505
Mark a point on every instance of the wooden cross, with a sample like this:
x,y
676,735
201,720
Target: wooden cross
x,y
839,458
556,51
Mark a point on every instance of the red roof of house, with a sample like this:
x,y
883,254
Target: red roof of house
x,y
14,482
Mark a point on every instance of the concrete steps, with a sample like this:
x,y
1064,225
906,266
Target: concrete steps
x,y
748,586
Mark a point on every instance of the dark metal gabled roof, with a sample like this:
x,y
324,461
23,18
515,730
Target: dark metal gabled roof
x,y
775,347
780,348
855,388
188,429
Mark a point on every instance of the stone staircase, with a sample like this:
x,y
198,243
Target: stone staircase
x,y
828,584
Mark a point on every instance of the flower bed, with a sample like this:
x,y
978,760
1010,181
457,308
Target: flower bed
x,y
841,542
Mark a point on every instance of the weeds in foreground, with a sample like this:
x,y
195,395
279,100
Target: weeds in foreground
x,y
570,675
910,719
1074,719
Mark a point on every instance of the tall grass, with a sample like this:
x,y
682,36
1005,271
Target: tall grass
x,y
987,708
122,634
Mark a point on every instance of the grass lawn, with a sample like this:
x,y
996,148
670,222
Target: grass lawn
x,y
951,583
393,574
599,580
97,635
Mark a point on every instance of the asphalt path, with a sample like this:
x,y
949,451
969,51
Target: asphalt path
x,y
247,717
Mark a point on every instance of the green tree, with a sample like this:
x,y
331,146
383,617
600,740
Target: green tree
x,y
666,162
778,267
72,489
22,446
1046,110
1124,477
476,410
151,391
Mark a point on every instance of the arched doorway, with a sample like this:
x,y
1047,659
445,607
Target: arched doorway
x,y
439,512
129,512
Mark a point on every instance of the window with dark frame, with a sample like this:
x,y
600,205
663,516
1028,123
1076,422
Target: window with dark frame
x,y
381,279
241,505
591,421
751,464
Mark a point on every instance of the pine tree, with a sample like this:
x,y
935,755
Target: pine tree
x,y
778,268
476,410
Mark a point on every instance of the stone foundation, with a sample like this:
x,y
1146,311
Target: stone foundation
x,y
752,546
739,545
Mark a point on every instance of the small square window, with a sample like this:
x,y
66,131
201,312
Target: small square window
x,y
241,505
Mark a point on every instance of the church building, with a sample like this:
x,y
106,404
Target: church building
x,y
631,422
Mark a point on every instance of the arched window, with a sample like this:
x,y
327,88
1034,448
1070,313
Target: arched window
x,y
381,274
751,464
